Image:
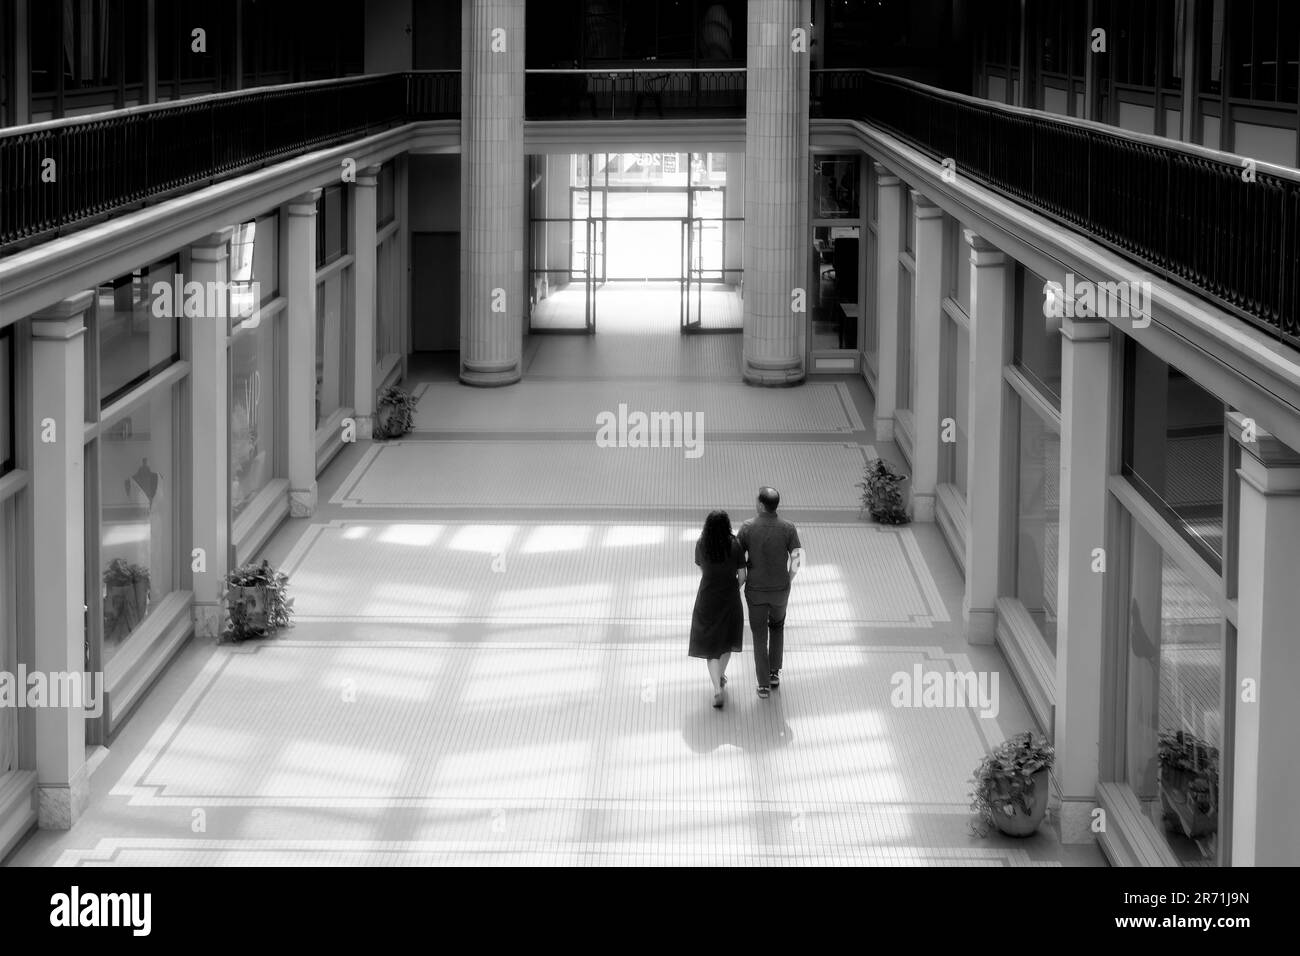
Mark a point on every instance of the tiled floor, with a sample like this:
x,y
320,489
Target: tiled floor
x,y
489,666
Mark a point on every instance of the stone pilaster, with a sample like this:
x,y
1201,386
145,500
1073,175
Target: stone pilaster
x,y
889,229
1265,773
300,328
492,299
1081,611
776,193
209,451
927,321
58,555
984,471
364,219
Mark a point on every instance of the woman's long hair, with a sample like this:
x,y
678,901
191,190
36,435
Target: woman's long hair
x,y
716,536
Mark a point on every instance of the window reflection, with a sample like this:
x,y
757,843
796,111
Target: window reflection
x,y
1174,449
1174,709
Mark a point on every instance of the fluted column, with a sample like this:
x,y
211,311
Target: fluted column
x,y
491,199
776,193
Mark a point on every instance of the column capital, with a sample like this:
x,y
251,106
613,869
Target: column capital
x,y
64,319
1085,329
884,176
305,204
1267,451
983,252
923,208
367,178
214,247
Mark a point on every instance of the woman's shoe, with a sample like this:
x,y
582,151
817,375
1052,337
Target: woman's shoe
x,y
717,700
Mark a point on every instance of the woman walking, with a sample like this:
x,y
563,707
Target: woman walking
x,y
718,623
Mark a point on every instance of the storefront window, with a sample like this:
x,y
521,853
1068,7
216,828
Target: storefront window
x,y
329,338
835,187
1174,704
331,225
1038,338
1174,449
835,312
254,258
252,412
6,400
385,184
8,634
956,400
137,495
134,343
387,297
906,361
1037,519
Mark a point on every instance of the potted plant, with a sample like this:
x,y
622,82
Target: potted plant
x,y
126,597
1189,782
1010,786
882,493
395,413
257,601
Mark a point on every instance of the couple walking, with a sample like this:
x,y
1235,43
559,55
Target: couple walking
x,y
763,557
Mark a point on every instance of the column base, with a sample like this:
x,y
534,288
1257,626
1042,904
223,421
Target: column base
x,y
365,427
773,373
59,806
491,375
923,507
981,625
209,619
1076,820
302,502
884,429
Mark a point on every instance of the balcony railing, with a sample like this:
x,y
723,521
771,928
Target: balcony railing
x,y
65,174
621,94
1185,213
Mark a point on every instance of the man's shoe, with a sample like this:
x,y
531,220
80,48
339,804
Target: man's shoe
x,y
775,679
764,693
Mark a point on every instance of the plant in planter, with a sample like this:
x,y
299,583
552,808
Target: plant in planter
x,y
882,493
1189,782
126,597
395,413
1010,786
257,601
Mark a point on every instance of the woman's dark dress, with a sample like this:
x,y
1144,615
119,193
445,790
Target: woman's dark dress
x,y
718,624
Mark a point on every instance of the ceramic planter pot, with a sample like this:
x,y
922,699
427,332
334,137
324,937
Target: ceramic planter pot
x,y
255,605
1178,800
1020,824
141,588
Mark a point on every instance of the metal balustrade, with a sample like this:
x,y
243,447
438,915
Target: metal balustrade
x,y
639,93
1182,212
66,174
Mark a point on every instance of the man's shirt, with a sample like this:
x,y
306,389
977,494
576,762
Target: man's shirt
x,y
768,538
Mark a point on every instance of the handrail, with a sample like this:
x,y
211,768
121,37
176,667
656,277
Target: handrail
x,y
1205,220
62,175
644,69
1150,139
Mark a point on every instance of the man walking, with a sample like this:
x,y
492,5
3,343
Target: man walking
x,y
773,556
